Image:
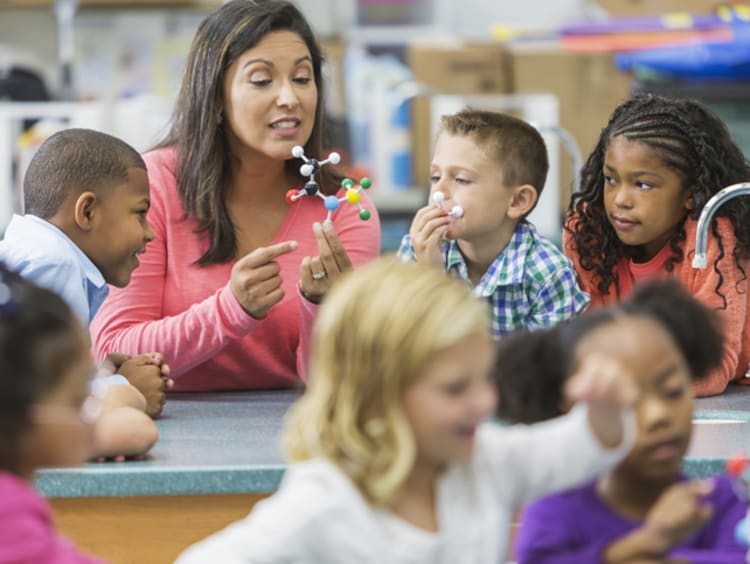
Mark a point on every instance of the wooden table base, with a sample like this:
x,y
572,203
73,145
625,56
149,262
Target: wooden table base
x,y
143,529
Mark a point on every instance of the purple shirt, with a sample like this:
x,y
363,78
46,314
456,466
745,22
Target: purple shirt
x,y
575,527
27,533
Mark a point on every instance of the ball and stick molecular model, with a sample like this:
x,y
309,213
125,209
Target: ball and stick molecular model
x,y
310,168
738,468
439,198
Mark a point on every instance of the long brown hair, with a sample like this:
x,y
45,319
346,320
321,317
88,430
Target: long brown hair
x,y
203,163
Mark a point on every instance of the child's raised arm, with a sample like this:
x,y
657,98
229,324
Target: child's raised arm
x,y
566,451
608,389
426,236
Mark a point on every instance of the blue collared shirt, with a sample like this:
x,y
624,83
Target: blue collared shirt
x,y
531,284
42,253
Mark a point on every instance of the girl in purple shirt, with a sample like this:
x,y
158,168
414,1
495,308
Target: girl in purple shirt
x,y
46,413
645,509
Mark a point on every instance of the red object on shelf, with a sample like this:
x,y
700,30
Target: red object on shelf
x,y
641,40
736,465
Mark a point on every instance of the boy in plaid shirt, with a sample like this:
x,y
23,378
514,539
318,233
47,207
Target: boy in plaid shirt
x,y
489,169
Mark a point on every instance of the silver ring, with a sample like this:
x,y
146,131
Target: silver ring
x,y
318,275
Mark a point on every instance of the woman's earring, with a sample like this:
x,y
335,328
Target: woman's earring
x,y
219,118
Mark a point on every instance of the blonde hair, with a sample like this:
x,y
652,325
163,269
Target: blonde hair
x,y
374,336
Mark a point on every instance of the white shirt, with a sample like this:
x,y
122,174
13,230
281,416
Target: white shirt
x,y
319,516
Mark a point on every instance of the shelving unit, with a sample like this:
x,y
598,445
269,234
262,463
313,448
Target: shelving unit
x,y
393,22
151,115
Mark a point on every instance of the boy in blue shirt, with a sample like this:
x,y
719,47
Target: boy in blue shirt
x,y
86,195
489,169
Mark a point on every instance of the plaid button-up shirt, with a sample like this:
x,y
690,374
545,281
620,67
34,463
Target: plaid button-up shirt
x,y
531,284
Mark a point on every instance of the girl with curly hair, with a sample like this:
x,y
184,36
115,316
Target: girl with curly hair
x,y
658,161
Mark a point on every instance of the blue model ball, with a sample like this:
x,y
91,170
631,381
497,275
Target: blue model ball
x,y
331,203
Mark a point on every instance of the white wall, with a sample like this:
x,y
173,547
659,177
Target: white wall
x,y
108,41
473,20
29,35
465,17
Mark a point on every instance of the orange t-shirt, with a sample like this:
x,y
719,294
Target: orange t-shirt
x,y
702,285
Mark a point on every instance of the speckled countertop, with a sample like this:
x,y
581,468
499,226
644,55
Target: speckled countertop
x,y
721,429
208,444
229,443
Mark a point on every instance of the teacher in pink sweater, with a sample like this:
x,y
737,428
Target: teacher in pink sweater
x,y
228,289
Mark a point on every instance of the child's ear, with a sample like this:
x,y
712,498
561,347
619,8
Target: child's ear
x,y
522,201
85,208
690,202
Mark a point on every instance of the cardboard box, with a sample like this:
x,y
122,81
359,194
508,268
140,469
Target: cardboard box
x,y
451,68
655,7
461,68
587,85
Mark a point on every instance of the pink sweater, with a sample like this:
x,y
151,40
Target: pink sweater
x,y
701,283
27,533
189,313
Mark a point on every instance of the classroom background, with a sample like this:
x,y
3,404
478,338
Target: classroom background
x,y
393,67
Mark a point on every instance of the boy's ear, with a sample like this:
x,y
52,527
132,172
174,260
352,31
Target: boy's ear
x,y
85,208
522,201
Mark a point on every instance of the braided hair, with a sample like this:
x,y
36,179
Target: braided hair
x,y
691,140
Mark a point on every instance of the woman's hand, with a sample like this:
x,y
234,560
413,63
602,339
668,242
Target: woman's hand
x,y
256,278
427,231
317,274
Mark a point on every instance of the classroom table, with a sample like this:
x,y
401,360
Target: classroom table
x,y
218,454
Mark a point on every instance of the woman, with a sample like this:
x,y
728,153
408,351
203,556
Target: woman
x,y
229,287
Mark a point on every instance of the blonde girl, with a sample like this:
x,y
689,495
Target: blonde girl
x,y
393,459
